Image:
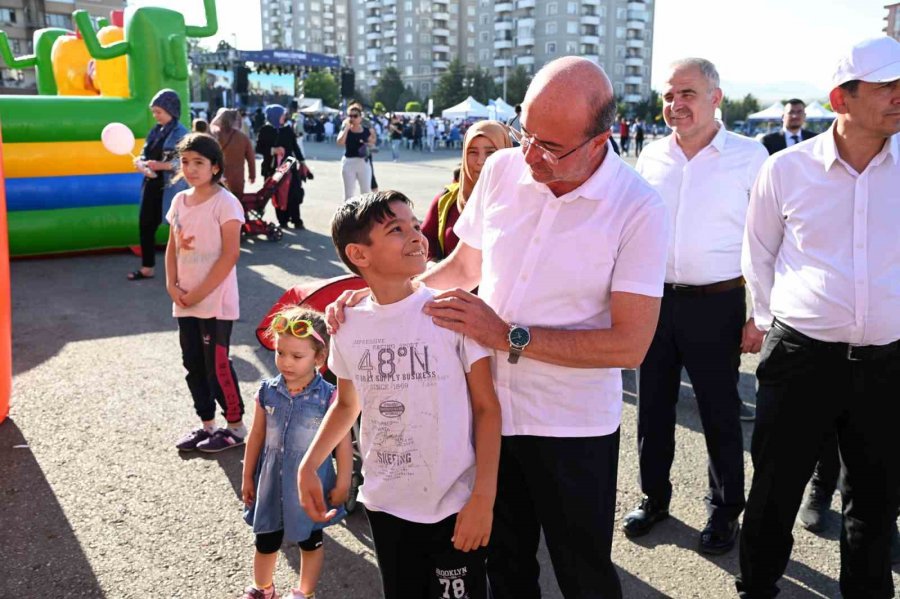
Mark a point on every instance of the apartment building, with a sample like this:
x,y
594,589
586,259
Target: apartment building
x,y
421,37
892,21
21,18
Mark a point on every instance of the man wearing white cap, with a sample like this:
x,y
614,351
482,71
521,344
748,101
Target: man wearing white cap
x,y
822,259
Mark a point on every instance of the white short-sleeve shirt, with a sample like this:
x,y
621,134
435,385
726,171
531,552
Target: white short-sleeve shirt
x,y
552,262
416,433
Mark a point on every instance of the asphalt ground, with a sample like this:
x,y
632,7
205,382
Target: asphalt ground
x,y
96,502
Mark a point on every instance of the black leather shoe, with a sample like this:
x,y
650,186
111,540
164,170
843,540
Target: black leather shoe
x,y
639,522
718,539
815,509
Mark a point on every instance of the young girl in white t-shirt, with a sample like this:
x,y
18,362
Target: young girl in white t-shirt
x,y
201,278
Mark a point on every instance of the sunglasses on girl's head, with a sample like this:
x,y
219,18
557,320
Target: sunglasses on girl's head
x,y
298,327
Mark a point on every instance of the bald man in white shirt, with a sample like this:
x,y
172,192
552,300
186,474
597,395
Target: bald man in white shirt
x,y
704,174
822,259
566,244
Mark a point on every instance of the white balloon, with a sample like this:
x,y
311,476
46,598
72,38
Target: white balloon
x,y
118,139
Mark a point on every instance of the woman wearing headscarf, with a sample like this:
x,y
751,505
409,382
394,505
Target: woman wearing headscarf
x,y
482,139
159,163
236,148
276,142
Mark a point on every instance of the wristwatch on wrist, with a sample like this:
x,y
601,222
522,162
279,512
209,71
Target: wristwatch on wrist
x,y
519,337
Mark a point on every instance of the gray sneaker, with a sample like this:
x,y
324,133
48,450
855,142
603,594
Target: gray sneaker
x,y
190,441
220,440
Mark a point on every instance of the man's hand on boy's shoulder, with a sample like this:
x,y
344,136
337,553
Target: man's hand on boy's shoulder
x,y
466,313
334,312
473,523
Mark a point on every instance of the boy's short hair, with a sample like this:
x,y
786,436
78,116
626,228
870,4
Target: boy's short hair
x,y
354,220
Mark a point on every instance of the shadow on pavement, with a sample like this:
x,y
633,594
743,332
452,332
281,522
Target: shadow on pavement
x,y
39,547
356,573
673,531
88,297
231,461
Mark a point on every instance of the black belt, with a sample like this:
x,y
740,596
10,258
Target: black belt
x,y
854,353
720,287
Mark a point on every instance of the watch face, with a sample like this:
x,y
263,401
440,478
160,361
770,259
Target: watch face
x,y
519,337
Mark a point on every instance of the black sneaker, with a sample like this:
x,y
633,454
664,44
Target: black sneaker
x,y
815,509
640,521
220,440
719,539
190,441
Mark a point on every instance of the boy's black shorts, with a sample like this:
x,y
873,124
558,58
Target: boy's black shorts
x,y
418,561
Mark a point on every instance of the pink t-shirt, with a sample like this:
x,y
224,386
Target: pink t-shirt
x,y
198,244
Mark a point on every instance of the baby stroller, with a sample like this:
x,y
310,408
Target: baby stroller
x,y
255,203
316,297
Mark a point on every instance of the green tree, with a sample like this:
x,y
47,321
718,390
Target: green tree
x,y
481,85
449,90
406,98
379,108
413,106
389,89
650,108
516,85
321,84
737,110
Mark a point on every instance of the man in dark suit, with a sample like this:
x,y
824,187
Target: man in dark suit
x,y
792,131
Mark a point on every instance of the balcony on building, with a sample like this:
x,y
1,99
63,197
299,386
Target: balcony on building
x,y
633,98
634,61
503,25
441,48
501,7
372,36
441,4
590,2
386,3
503,43
441,31
589,39
440,15
525,4
593,57
440,64
373,4
499,63
634,43
389,17
590,20
634,5
389,49
636,25
373,19
638,15
525,41
328,28
634,79
525,59
525,22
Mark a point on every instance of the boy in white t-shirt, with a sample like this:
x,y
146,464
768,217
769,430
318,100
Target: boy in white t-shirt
x,y
430,426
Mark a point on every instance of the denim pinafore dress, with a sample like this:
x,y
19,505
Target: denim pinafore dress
x,y
291,426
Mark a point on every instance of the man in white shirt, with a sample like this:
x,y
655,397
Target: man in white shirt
x,y
567,245
792,131
822,259
704,174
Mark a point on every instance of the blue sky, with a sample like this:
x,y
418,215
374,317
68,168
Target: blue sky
x,y
771,48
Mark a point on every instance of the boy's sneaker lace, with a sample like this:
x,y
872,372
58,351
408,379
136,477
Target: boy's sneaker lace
x,y
252,592
220,440
190,441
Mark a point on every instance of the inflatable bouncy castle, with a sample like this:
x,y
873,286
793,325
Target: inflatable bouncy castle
x,y
64,191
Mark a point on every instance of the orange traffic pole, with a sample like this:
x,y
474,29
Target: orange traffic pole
x,y
5,301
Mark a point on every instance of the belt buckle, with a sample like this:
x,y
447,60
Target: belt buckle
x,y
677,286
850,355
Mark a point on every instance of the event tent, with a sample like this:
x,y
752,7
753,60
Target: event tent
x,y
315,106
470,107
504,110
817,112
772,113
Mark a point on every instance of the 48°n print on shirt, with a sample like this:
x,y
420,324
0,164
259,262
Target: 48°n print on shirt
x,y
390,363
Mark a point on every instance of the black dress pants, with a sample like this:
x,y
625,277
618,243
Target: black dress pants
x,y
567,487
701,333
149,219
807,389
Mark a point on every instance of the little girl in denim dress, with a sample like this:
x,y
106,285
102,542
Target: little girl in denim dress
x,y
289,410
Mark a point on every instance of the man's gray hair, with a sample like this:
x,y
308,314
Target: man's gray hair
x,y
707,68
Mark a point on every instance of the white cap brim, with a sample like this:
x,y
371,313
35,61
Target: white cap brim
x,y
890,72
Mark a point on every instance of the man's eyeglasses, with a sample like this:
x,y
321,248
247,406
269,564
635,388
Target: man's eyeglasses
x,y
526,140
299,328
